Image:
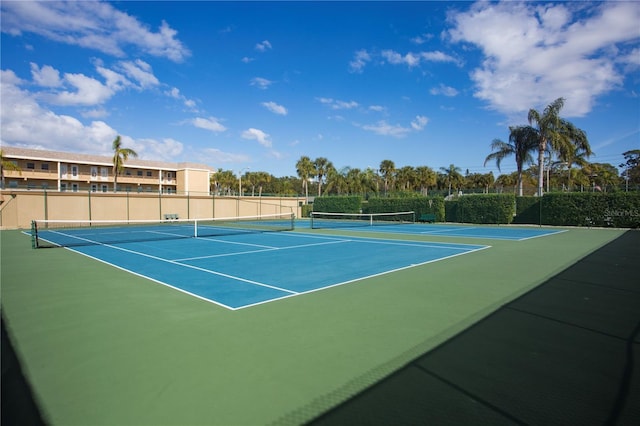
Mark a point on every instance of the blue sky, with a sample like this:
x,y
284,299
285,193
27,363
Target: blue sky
x,y
257,85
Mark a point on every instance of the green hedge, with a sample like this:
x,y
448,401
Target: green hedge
x,y
339,204
484,208
617,209
527,210
420,205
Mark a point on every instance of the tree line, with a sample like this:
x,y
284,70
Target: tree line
x,y
551,153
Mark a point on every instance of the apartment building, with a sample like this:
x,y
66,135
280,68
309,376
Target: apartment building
x,y
64,171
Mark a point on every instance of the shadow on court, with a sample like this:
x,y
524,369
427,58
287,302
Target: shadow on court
x,y
567,352
18,405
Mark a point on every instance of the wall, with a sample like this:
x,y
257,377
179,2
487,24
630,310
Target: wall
x,y
19,208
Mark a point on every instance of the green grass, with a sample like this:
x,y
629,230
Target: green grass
x,y
102,346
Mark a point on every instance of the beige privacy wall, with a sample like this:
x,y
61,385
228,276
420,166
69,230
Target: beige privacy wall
x,y
19,208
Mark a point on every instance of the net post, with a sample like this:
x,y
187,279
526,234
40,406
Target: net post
x,y
195,228
370,219
34,234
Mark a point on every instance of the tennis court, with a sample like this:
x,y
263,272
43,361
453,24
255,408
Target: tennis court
x,y
404,223
108,345
237,268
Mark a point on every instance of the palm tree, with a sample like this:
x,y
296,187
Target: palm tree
x,y
305,169
7,165
322,166
451,175
573,148
425,177
387,170
120,155
522,141
406,177
548,126
223,181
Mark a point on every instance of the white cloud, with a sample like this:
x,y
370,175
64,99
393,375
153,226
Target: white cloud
x,y
84,91
263,46
412,59
395,130
419,122
275,108
255,134
536,53
92,25
338,104
139,71
444,90
26,123
211,124
247,59
421,39
359,61
261,83
47,76
377,108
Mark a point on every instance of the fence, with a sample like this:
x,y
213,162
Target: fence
x,y
19,208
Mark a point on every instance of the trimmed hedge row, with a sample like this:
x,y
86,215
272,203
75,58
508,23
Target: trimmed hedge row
x,y
618,209
482,208
339,204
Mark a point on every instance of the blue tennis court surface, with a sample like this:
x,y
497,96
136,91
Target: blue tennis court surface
x,y
238,271
446,230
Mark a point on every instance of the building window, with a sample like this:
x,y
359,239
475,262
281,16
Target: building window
x,y
148,173
104,172
105,188
74,171
127,172
74,187
139,173
31,166
13,184
94,172
63,187
94,187
44,166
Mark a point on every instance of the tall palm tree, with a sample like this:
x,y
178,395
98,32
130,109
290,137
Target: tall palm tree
x,y
548,125
387,170
573,148
406,177
322,166
7,165
522,141
451,175
120,155
305,169
425,177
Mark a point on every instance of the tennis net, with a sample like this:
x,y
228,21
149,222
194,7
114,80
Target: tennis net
x,y
320,220
67,233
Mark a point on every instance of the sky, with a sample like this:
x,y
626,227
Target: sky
x,y
254,86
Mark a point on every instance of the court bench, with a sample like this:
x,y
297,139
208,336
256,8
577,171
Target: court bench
x,y
427,217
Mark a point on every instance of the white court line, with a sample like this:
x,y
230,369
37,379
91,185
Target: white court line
x,y
363,278
184,265
543,235
261,251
